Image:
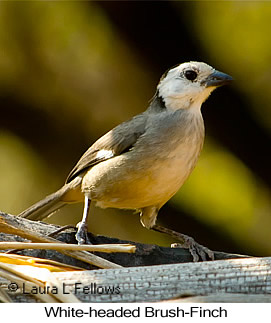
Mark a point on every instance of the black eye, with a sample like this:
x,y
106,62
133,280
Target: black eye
x,y
190,75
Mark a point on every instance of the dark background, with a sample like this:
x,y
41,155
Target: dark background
x,y
70,71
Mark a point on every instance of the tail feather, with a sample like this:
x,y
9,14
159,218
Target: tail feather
x,y
43,208
50,203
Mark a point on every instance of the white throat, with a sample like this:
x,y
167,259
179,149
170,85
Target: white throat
x,y
187,101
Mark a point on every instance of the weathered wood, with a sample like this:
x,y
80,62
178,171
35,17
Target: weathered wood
x,y
145,255
66,246
14,225
224,298
228,280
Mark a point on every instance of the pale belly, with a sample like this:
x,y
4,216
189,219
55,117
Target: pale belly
x,y
132,183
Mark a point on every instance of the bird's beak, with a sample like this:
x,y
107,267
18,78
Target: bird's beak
x,y
217,79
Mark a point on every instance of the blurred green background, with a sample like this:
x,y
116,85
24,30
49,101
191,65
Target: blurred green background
x,y
70,71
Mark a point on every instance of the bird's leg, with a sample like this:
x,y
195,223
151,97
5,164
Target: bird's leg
x,y
197,251
82,232
148,216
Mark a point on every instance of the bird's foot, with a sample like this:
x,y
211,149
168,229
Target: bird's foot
x,y
197,251
82,233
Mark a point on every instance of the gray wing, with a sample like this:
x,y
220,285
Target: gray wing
x,y
115,142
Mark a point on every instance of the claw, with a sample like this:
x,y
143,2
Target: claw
x,y
197,251
82,234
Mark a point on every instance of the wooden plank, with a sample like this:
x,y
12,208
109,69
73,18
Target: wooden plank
x,y
250,276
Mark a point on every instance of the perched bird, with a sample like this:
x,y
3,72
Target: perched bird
x,y
141,163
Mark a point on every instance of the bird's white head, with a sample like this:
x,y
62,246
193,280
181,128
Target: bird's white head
x,y
188,85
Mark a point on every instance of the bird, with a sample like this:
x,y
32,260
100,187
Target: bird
x,y
141,163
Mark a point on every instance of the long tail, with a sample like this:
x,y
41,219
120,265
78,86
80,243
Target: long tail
x,y
50,203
